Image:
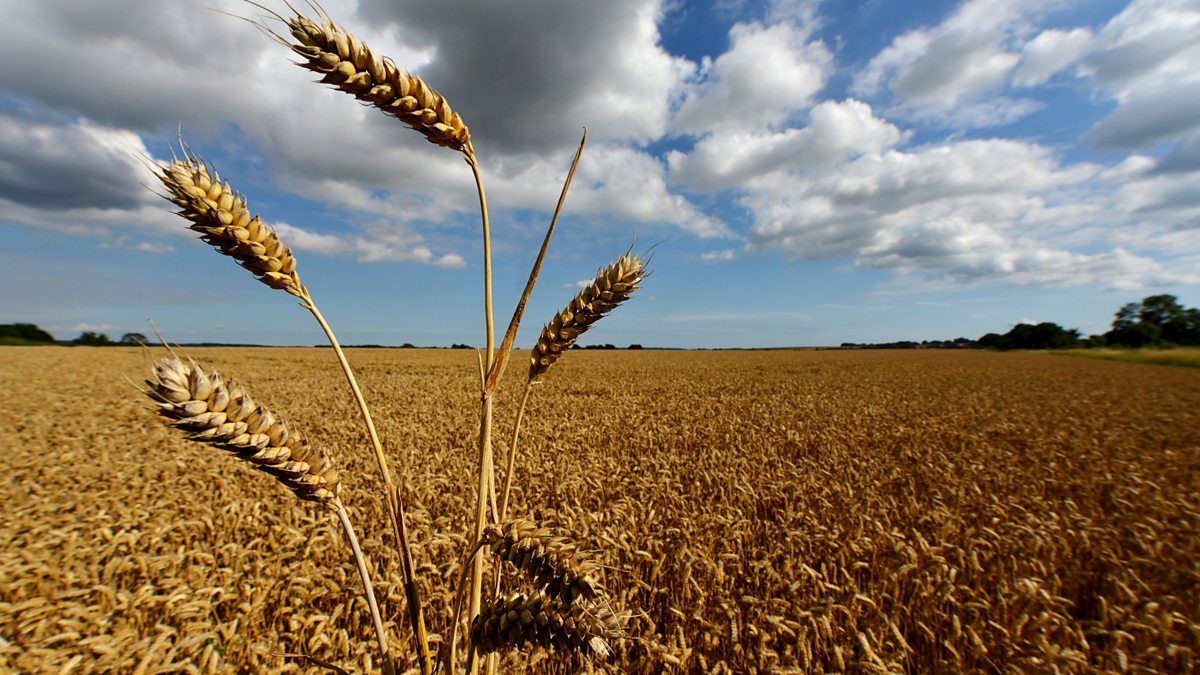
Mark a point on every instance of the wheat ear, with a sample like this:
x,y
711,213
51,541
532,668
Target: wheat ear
x,y
347,64
220,215
217,411
544,621
555,565
612,286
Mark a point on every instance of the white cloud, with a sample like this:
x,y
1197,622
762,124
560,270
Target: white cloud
x,y
974,209
940,74
1147,59
156,248
624,182
769,73
1050,52
527,79
836,131
451,260
70,165
724,255
379,242
527,74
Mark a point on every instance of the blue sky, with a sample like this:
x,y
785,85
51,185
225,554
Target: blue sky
x,y
811,172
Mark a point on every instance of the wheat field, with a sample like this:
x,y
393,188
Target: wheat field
x,y
754,512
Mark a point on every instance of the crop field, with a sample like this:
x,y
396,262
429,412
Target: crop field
x,y
769,512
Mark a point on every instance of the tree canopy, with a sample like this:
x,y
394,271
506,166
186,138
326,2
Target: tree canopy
x,y
1156,320
18,333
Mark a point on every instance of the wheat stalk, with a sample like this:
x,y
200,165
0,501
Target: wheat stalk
x,y
220,214
219,412
223,220
348,64
612,286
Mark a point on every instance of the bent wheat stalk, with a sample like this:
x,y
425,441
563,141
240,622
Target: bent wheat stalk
x,y
220,214
561,574
348,64
216,411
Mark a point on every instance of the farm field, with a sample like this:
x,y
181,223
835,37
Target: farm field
x,y
773,511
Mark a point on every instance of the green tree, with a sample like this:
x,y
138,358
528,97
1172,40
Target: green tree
x,y
24,332
1156,319
133,339
91,339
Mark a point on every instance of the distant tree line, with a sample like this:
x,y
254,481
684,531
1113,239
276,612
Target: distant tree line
x,y
24,333
31,334
1156,321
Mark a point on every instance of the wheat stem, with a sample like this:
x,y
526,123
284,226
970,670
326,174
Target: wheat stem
x,y
512,453
361,563
485,472
511,334
486,478
469,152
395,505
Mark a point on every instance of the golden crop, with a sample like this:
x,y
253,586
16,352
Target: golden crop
x,y
783,511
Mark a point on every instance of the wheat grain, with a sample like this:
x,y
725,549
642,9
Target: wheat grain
x,y
347,64
220,215
612,286
553,564
219,412
543,621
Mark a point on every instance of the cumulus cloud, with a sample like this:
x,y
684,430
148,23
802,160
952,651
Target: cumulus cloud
x,y
1150,117
70,165
152,247
973,209
939,74
526,74
836,131
724,255
939,65
379,242
526,77
1145,58
1050,52
624,182
768,73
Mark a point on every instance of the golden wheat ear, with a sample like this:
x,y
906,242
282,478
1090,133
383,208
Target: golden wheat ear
x,y
542,621
220,215
612,286
348,64
554,564
218,412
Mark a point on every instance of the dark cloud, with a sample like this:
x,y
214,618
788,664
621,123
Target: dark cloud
x,y
68,166
527,74
1184,157
1150,118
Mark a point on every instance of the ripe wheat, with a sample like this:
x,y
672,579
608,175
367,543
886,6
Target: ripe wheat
x,y
217,411
349,65
220,215
612,286
554,564
547,622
